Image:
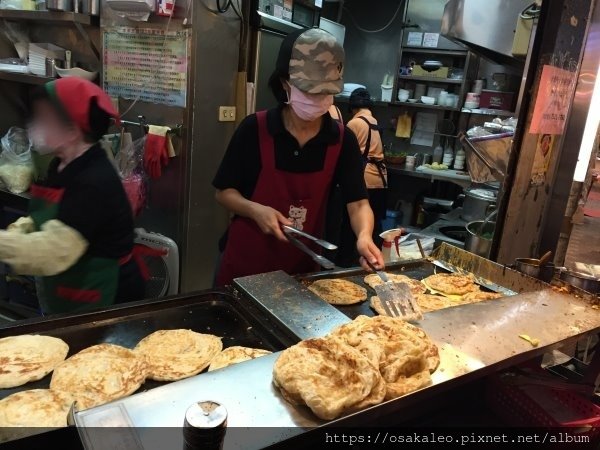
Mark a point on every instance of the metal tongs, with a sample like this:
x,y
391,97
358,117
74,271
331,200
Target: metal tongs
x,y
320,260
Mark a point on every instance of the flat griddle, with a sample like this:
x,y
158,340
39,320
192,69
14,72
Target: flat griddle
x,y
417,270
213,312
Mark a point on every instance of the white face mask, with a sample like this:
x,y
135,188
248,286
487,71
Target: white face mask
x,y
308,107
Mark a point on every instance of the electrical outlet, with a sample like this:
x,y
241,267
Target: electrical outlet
x,y
226,113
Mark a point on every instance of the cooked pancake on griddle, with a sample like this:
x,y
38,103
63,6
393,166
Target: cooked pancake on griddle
x,y
329,377
100,374
416,287
479,296
426,302
36,408
450,284
29,358
337,291
404,354
234,355
177,354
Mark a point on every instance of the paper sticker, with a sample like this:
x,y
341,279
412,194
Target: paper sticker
x,y
415,39
431,40
553,99
541,162
146,64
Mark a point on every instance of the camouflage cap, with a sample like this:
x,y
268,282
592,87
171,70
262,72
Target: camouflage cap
x,y
316,64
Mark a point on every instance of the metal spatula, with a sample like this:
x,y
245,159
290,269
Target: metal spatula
x,y
396,298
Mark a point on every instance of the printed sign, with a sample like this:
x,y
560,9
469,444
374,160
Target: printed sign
x,y
431,40
543,153
553,100
146,64
415,39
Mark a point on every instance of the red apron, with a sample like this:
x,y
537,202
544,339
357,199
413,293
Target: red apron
x,y
300,196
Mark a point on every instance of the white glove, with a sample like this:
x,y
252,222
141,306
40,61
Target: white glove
x,y
53,250
24,225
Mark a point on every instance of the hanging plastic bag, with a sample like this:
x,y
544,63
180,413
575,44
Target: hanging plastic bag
x,y
16,165
129,165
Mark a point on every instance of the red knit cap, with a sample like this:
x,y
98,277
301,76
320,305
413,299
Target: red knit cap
x,y
74,95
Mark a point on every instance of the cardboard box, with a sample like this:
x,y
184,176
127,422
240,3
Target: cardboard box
x,y
496,100
442,72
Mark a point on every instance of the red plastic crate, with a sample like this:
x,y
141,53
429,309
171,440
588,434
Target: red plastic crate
x,y
531,405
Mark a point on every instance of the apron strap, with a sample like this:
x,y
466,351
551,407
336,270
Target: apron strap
x,y
379,164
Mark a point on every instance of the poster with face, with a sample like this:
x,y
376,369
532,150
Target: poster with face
x,y
543,153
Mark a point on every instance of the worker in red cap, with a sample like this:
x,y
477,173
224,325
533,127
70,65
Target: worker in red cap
x,y
78,237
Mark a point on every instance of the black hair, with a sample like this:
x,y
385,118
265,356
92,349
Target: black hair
x,y
99,119
360,98
282,67
276,85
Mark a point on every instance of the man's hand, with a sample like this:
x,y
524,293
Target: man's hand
x,y
369,251
270,220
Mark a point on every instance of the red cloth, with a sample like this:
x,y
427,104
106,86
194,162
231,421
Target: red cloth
x,y
300,196
75,95
156,154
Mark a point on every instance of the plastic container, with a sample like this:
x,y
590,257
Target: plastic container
x,y
393,219
448,157
438,154
386,93
459,160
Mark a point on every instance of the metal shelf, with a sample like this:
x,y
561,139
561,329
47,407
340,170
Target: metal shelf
x,y
434,51
489,112
24,78
424,106
430,79
46,16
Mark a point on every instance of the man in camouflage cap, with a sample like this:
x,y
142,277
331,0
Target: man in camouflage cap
x,y
314,61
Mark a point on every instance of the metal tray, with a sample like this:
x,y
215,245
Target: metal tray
x,y
211,312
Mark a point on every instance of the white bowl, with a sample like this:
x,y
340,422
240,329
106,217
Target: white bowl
x,y
412,100
77,73
471,105
403,97
428,100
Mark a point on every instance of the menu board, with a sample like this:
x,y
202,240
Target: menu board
x,y
149,65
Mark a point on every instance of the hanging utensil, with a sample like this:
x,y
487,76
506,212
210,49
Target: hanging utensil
x,y
396,298
545,258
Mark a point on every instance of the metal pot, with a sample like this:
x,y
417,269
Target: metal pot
x,y
531,267
59,5
477,244
477,203
582,281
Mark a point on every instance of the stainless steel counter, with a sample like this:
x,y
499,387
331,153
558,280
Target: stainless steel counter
x,y
452,176
474,340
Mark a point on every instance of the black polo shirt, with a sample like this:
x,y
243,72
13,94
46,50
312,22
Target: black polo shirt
x,y
94,203
241,164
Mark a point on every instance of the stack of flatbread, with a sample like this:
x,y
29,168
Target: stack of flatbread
x,y
329,377
176,354
358,365
403,353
